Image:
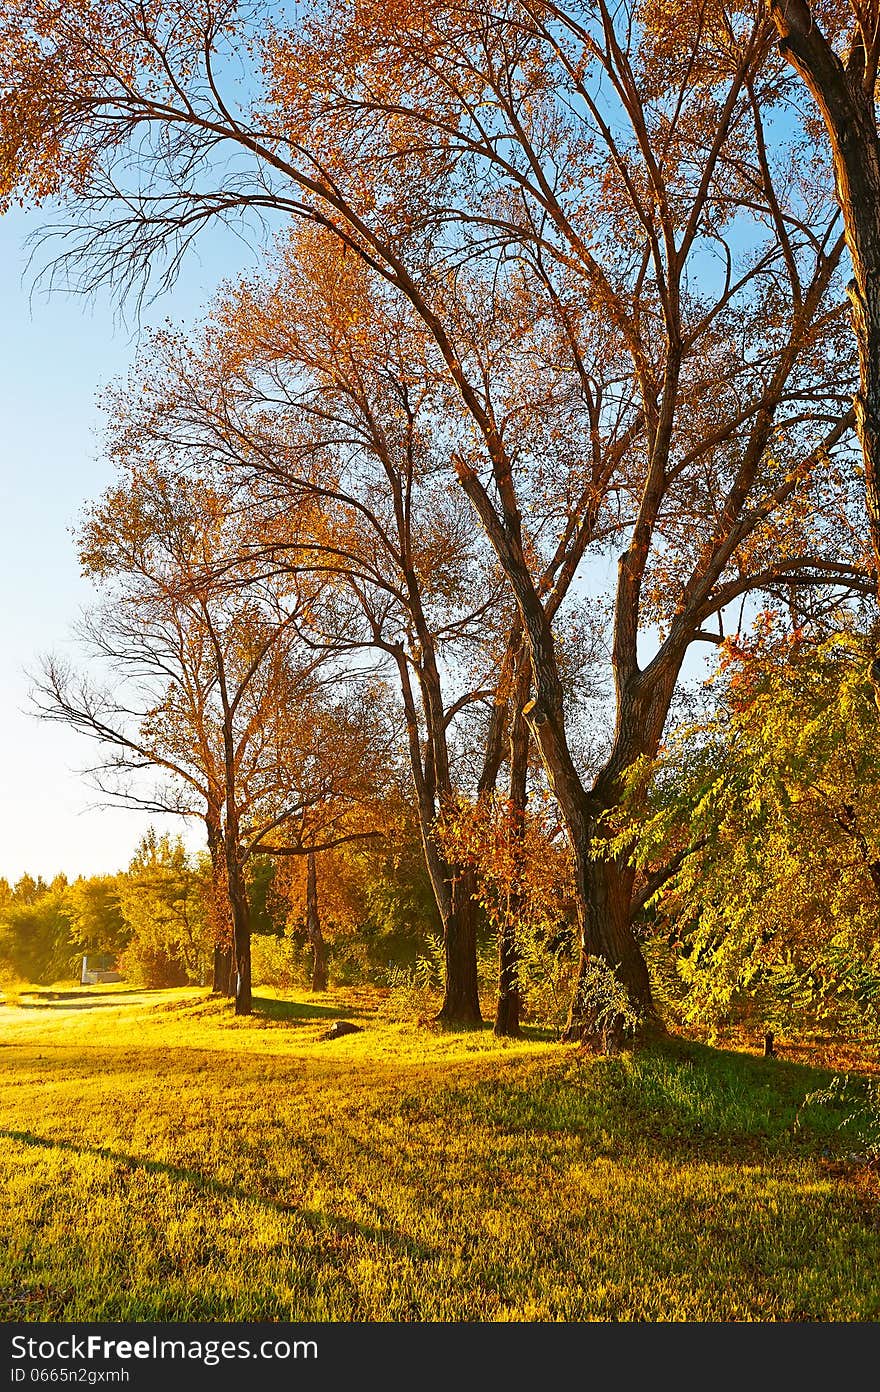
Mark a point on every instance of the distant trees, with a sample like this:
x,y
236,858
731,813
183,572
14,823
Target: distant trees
x,y
163,897
152,919
155,918
36,938
96,918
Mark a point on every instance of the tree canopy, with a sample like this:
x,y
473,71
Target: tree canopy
x,y
543,382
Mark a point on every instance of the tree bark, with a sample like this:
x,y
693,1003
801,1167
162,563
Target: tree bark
x,y
243,997
509,1005
453,887
241,924
223,973
223,976
461,996
603,890
604,904
313,927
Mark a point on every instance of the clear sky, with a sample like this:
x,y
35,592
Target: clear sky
x,y
55,354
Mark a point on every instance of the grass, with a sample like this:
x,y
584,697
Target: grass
x,y
163,1161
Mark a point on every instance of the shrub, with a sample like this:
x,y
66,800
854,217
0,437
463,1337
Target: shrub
x,y
414,992
279,961
546,977
149,964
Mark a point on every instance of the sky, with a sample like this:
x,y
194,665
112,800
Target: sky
x,y
56,352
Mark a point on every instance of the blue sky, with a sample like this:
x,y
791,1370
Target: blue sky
x,y
55,353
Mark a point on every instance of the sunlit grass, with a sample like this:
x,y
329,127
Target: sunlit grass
x,y
162,1160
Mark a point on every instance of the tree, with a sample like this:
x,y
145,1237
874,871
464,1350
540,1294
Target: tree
x,y
500,170
96,917
207,686
496,175
333,416
163,900
313,926
760,842
36,943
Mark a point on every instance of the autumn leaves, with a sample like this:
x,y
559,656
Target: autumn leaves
x,y
558,287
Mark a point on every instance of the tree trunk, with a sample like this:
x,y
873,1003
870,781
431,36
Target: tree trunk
x,y
604,913
844,92
461,996
602,888
453,889
455,896
313,926
223,976
223,981
508,1008
241,928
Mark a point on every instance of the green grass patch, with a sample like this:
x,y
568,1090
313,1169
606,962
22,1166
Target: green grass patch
x,y
162,1160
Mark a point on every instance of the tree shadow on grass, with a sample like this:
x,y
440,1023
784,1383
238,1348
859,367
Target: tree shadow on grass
x,y
302,1012
677,1101
65,1005
315,1219
80,992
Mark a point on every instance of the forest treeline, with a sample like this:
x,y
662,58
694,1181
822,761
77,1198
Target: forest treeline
x,y
559,369
155,921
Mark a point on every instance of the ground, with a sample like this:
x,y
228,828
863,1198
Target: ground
x,y
162,1160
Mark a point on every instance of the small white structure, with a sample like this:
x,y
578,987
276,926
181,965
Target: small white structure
x,y
101,972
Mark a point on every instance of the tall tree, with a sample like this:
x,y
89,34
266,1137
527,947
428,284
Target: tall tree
x,y
209,687
315,385
331,414
495,167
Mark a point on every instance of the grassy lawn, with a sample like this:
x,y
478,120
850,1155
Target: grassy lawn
x,y
163,1161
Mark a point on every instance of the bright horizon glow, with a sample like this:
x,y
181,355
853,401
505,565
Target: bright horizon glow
x,y
56,353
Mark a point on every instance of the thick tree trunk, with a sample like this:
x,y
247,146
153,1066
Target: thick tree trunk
x,y
223,979
604,914
455,896
603,889
461,996
313,927
509,1005
242,928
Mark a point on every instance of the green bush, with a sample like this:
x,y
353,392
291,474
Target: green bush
x,y
279,960
149,964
